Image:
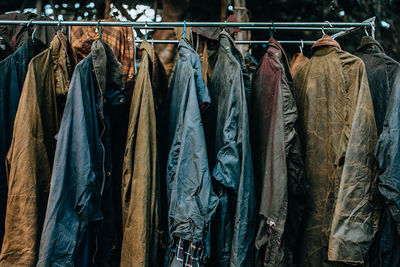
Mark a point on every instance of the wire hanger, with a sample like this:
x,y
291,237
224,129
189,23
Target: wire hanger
x,y
366,32
34,30
322,28
301,46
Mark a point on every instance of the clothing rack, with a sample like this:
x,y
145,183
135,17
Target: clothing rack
x,y
344,28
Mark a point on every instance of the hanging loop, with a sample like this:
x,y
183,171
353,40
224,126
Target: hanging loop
x,y
184,29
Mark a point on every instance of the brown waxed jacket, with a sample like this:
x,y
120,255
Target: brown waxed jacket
x,y
337,129
141,180
31,153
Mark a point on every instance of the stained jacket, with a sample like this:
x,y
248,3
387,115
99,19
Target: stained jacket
x,y
191,199
13,70
337,129
30,158
227,128
82,166
141,180
274,115
384,81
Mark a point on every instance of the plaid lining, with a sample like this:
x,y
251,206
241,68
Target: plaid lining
x,y
188,253
120,39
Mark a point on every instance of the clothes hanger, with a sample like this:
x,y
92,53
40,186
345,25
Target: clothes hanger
x,y
184,29
101,30
301,46
34,30
271,31
59,26
145,31
322,28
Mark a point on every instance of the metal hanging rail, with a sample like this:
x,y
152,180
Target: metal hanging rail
x,y
343,27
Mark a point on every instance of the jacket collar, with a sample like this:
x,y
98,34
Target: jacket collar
x,y
325,40
58,45
108,70
184,43
368,41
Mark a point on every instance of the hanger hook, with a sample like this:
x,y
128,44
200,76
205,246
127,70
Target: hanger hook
x,y
329,24
184,29
322,29
29,23
33,34
59,25
98,26
301,46
372,29
366,32
271,31
145,31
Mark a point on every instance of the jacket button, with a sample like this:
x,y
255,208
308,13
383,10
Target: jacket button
x,y
121,100
129,39
108,173
130,76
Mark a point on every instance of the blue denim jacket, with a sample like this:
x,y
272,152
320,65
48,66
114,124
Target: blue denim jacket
x,y
82,165
190,196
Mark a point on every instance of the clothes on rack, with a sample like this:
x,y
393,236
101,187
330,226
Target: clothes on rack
x,y
30,157
384,81
276,174
228,145
337,129
233,165
13,69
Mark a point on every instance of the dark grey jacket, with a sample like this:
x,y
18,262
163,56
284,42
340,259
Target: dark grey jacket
x,y
190,196
384,81
227,128
81,173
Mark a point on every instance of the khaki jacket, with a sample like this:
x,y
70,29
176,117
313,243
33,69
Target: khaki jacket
x,y
31,154
141,181
337,129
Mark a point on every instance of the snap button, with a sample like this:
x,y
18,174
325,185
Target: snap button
x,y
130,76
129,39
108,173
121,100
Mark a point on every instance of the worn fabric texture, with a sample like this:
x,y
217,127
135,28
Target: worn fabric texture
x,y
190,196
82,177
15,36
31,153
13,70
120,39
298,61
142,226
338,131
278,164
384,81
228,144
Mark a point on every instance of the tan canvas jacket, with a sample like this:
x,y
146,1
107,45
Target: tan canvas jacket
x,y
31,153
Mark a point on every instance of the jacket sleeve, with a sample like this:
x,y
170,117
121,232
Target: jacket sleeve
x,y
387,153
353,220
72,180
